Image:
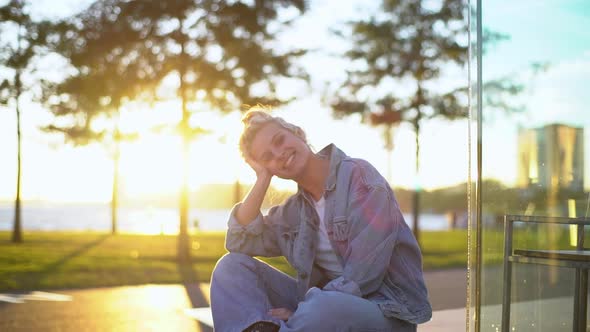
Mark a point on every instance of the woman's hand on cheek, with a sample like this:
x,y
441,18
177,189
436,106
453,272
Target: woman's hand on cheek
x,y
261,171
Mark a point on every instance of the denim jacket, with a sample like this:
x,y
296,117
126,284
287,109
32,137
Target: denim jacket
x,y
380,257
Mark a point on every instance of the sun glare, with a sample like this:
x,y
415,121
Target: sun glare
x,y
152,165
86,177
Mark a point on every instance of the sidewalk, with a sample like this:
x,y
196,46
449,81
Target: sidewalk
x,y
133,308
448,296
163,307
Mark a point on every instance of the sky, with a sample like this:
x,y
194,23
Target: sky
x,y
551,32
53,171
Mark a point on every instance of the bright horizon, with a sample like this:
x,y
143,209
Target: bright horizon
x,y
150,166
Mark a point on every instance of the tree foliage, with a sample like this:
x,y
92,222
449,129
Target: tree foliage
x,y
410,41
23,41
104,75
221,54
398,60
221,48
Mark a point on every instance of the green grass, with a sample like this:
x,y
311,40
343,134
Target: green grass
x,y
57,260
444,249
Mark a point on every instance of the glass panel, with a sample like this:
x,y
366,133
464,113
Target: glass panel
x,y
473,274
534,162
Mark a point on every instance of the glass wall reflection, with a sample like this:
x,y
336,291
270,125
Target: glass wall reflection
x,y
535,149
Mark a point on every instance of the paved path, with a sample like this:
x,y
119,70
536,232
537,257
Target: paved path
x,y
447,289
134,308
162,307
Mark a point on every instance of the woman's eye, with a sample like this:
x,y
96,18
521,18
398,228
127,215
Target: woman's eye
x,y
280,139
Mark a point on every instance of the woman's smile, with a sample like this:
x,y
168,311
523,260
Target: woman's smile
x,y
289,161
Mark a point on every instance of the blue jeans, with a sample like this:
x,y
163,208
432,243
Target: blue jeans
x,y
243,289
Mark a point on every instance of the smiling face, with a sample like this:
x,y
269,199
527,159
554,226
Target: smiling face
x,y
282,152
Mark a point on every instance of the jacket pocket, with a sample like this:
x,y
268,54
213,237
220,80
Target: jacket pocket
x,y
340,228
288,243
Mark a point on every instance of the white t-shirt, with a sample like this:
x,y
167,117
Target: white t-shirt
x,y
325,256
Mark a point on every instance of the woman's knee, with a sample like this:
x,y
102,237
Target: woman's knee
x,y
231,264
320,304
330,310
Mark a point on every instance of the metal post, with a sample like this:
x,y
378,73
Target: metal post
x,y
478,202
580,289
507,287
580,299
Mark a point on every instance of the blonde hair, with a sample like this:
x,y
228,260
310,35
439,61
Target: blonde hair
x,y
258,117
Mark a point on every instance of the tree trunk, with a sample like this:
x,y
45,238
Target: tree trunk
x,y
183,240
416,200
115,193
17,236
388,137
183,254
416,215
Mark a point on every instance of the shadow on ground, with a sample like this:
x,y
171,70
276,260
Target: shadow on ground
x,y
36,277
190,281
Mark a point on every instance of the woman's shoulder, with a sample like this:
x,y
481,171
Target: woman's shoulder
x,y
361,171
290,202
357,162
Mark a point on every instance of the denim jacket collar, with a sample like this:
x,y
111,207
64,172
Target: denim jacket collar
x,y
336,156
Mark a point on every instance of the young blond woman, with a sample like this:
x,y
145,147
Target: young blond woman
x,y
359,268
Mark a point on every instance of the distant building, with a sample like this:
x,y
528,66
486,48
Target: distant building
x,y
551,157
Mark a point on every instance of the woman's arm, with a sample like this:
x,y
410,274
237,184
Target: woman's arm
x,y
250,207
250,232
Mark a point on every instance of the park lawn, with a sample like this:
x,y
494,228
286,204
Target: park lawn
x,y
58,260
444,249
